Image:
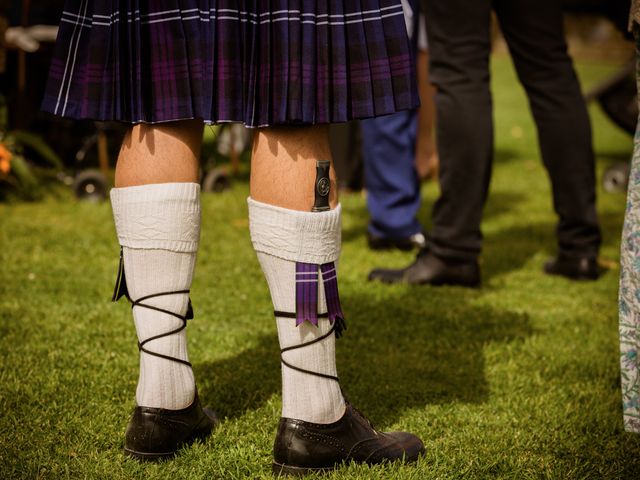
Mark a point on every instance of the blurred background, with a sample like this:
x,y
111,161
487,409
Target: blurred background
x,y
40,152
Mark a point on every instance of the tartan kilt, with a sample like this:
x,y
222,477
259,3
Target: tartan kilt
x,y
259,62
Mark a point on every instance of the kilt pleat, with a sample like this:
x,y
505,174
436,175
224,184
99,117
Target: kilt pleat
x,y
259,62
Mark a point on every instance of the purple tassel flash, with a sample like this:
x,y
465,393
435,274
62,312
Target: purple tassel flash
x,y
307,294
330,280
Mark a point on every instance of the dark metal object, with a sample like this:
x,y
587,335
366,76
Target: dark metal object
x,y
618,97
616,177
322,186
90,185
216,180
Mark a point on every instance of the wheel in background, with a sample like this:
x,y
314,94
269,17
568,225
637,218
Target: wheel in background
x,y
616,177
217,180
90,185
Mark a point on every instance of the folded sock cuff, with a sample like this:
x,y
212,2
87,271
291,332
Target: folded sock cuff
x,y
162,216
310,237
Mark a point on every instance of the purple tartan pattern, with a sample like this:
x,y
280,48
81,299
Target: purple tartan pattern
x,y
306,293
260,62
330,281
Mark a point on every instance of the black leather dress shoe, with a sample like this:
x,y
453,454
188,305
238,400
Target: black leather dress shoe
x,y
157,433
429,269
575,268
417,240
304,447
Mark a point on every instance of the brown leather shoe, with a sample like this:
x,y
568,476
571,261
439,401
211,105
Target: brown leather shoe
x,y
156,433
303,447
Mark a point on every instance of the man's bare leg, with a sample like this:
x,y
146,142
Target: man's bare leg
x,y
160,153
283,166
156,208
291,243
298,250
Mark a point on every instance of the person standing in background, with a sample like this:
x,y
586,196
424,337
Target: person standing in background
x,y
460,46
398,151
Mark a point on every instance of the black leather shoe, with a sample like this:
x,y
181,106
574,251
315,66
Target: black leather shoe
x,y
574,268
156,433
304,447
432,270
417,240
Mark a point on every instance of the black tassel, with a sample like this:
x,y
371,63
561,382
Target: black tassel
x,y
340,326
120,289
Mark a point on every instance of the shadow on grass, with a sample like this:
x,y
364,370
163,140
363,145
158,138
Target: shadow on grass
x,y
511,248
243,382
611,224
392,357
611,157
501,203
505,155
420,346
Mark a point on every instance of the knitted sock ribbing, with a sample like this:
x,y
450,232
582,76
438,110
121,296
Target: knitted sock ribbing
x,y
158,228
281,237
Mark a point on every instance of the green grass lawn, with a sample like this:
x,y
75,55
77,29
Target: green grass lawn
x,y
516,380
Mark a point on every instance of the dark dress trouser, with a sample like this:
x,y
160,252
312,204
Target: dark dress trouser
x,y
459,40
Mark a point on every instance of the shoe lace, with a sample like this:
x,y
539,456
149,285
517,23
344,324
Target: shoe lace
x,y
358,412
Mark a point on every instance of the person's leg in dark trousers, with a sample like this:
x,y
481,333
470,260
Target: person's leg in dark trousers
x,y
459,44
534,32
459,39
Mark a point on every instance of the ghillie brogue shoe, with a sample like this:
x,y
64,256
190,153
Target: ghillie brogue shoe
x,y
304,447
156,433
